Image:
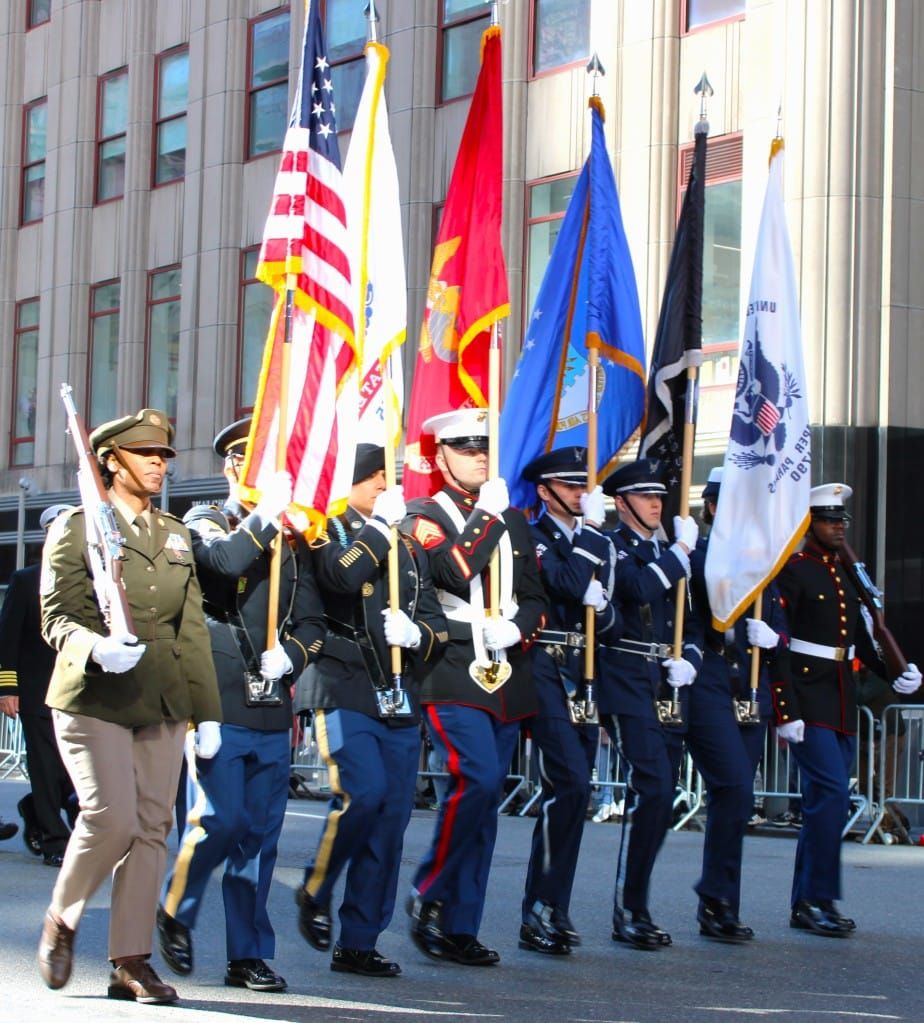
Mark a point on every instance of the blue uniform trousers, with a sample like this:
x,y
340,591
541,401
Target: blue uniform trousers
x,y
824,758
478,750
566,759
653,755
718,747
237,804
372,770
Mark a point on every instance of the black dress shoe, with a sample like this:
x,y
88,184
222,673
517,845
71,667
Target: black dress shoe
x,y
313,921
7,830
831,909
368,964
468,950
53,859
642,918
565,927
175,943
253,974
635,932
808,916
718,920
426,928
538,932
31,832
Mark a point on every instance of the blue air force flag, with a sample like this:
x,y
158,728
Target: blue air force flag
x,y
763,504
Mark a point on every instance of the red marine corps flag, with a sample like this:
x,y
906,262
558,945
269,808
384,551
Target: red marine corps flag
x,y
309,352
467,294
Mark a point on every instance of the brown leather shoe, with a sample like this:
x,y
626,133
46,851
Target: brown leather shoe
x,y
55,952
134,980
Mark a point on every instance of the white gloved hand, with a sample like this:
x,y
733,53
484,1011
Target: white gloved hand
x,y
760,634
593,508
679,672
117,654
499,633
792,731
389,506
686,531
909,681
594,596
274,663
493,497
276,496
207,740
400,630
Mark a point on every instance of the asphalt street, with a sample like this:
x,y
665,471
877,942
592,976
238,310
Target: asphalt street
x,y
873,975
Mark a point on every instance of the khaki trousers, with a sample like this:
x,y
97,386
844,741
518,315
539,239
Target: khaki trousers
x,y
126,781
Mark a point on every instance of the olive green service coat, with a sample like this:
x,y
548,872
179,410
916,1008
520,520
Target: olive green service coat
x,y
175,678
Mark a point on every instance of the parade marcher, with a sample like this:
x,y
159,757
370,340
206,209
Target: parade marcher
x,y
120,708
576,562
368,736
817,712
26,665
237,799
473,715
725,752
630,682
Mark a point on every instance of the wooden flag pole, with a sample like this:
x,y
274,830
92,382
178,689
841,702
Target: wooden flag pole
x,y
754,709
494,458
593,363
391,477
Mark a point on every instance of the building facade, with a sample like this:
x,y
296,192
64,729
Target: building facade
x,y
140,141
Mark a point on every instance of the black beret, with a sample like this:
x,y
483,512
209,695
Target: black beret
x,y
369,459
566,464
232,438
646,476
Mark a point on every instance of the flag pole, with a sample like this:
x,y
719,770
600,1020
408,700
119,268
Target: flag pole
x,y
494,457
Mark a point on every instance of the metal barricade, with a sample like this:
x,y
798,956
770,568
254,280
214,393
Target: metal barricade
x,y
12,748
309,774
899,765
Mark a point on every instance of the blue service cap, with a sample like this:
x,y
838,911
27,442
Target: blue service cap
x,y
645,476
567,464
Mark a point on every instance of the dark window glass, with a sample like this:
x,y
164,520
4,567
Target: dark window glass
x,y
25,383
163,339
561,33
463,22
170,117
268,84
104,352
113,124
548,201
39,11
701,12
35,125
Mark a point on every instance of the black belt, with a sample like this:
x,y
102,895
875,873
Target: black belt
x,y
556,637
361,639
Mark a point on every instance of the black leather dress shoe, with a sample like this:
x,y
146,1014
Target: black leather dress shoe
x,y
426,928
368,964
175,943
7,829
565,927
31,832
638,932
468,950
808,916
538,932
831,909
313,921
53,859
719,921
253,974
642,918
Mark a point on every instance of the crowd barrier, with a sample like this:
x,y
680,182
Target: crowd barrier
x,y
12,748
898,782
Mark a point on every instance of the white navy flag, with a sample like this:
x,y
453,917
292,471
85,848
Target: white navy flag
x,y
763,508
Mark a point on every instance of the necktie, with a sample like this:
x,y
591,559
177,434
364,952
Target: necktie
x,y
144,534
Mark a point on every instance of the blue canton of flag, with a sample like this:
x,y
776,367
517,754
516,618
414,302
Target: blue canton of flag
x,y
316,110
588,298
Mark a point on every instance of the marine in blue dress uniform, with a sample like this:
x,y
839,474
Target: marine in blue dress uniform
x,y
817,712
237,800
576,562
633,673
725,752
473,716
369,741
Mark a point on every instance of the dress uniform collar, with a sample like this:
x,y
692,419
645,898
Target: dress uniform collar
x,y
461,497
822,553
353,519
559,526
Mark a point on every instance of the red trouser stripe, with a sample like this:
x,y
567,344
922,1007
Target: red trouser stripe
x,y
452,804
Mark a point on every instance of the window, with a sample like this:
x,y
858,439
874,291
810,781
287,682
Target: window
x,y
461,25
112,124
104,351
256,311
34,139
548,201
170,116
721,279
345,30
37,12
267,83
163,330
25,381
703,12
561,33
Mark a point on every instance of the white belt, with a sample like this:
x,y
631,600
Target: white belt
x,y
829,653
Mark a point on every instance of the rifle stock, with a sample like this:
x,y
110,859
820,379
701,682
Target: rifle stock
x,y
871,596
104,540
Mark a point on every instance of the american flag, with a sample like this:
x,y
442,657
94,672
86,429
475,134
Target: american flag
x,y
305,248
766,416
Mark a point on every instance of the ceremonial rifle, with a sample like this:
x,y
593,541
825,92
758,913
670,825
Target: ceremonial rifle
x,y
871,596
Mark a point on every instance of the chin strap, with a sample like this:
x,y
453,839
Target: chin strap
x,y
635,515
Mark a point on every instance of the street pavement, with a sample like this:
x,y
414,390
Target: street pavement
x,y
874,975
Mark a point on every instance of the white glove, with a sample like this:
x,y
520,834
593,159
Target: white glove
x,y
792,731
686,531
274,663
592,507
275,497
400,630
117,654
493,497
909,680
594,596
760,634
207,740
499,633
679,672
389,505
